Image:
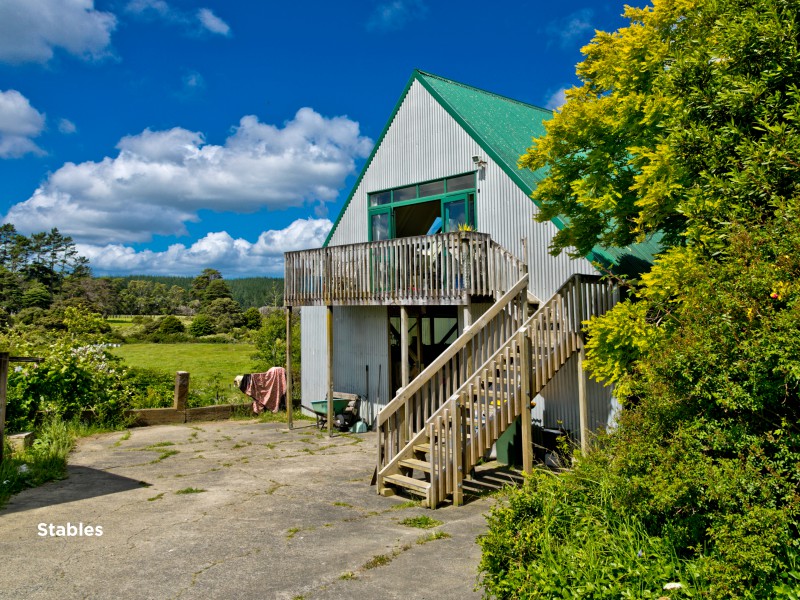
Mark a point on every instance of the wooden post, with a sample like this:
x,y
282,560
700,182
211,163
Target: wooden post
x,y
583,409
404,379
420,365
470,347
181,390
457,453
582,404
525,351
329,328
289,366
3,387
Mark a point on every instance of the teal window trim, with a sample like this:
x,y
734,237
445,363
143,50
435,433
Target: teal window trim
x,y
445,198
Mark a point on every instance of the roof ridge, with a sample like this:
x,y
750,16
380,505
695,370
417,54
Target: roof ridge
x,y
487,92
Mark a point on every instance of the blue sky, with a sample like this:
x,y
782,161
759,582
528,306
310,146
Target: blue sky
x,y
167,136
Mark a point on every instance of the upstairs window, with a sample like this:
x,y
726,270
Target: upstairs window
x,y
438,206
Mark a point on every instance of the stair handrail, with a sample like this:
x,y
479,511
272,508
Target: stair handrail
x,y
570,302
393,436
454,348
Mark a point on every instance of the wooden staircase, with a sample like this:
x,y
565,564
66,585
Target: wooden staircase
x,y
441,424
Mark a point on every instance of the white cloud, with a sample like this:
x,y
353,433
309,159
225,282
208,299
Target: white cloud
x,y
161,179
202,21
557,99
234,257
572,27
212,22
66,126
19,124
394,15
30,30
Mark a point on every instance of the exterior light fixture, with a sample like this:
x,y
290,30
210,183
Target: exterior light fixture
x,y
479,162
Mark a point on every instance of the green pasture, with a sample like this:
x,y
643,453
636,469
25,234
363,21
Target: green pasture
x,y
211,367
200,360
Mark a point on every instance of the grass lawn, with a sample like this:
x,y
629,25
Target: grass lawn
x,y
211,367
200,360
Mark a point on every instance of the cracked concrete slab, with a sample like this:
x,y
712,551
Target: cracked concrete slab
x,y
232,509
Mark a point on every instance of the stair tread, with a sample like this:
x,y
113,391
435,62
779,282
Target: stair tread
x,y
415,463
425,447
408,482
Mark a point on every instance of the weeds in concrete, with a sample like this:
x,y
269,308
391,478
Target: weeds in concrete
x,y
423,522
407,504
156,497
290,533
163,455
348,575
432,536
191,490
381,560
123,438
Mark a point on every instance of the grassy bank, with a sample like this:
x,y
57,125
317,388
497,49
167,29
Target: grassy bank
x,y
211,368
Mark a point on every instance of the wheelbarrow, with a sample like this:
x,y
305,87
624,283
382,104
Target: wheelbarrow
x,y
345,410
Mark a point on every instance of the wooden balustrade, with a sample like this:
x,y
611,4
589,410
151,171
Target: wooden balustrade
x,y
491,397
408,412
434,269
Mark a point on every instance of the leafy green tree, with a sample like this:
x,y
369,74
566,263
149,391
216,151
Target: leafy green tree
x,y
225,313
36,295
170,324
687,127
201,282
215,290
201,325
252,318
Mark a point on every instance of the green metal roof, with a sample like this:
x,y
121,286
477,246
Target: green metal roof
x,y
504,129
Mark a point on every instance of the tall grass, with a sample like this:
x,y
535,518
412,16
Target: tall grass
x,y
45,461
560,536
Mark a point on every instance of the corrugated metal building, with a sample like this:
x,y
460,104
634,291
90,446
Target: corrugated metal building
x,y
449,152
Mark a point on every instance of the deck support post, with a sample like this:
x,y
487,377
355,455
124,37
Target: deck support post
x,y
526,352
329,330
582,404
289,382
404,379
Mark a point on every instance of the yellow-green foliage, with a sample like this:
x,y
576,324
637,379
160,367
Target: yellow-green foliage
x,y
687,123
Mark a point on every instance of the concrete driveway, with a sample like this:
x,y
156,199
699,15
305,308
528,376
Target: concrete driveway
x,y
231,509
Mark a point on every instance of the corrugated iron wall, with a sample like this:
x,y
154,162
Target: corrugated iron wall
x,y
422,143
360,338
557,405
314,371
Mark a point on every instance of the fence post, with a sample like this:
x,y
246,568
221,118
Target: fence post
x,y
181,390
3,387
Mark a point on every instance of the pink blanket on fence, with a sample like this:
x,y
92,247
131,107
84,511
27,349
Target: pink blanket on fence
x,y
267,389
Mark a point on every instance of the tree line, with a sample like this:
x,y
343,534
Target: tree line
x,y
44,271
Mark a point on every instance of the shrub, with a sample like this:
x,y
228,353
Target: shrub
x,y
201,325
170,324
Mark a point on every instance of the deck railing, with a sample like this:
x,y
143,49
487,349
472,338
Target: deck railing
x,y
440,269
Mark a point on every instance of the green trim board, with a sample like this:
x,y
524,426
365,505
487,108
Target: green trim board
x,y
503,128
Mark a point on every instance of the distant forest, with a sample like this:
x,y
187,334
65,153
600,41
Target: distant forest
x,y
44,272
247,291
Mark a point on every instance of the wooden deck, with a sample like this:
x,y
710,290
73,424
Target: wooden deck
x,y
436,269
